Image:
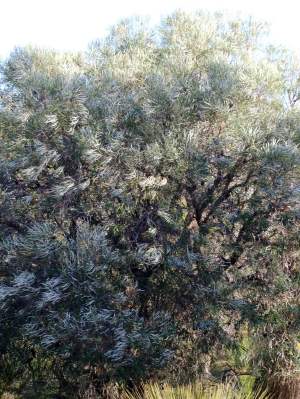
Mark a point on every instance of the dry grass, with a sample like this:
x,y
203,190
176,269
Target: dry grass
x,y
195,391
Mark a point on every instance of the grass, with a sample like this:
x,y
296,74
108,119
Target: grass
x,y
198,391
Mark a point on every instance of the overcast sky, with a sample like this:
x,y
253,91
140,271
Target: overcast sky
x,y
72,24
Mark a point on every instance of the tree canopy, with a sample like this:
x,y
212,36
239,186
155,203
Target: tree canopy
x,y
149,206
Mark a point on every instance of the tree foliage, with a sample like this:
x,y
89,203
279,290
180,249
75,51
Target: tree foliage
x,y
149,205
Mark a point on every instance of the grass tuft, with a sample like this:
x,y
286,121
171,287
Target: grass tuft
x,y
197,391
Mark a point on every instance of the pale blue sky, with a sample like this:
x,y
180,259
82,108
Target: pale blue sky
x,y
72,24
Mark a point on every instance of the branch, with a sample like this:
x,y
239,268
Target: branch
x,y
226,193
207,197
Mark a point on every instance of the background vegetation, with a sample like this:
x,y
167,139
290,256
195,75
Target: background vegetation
x,y
149,210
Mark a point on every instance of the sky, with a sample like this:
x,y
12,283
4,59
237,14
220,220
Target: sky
x,y
73,24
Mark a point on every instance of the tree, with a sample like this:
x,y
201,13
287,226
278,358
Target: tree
x,y
149,205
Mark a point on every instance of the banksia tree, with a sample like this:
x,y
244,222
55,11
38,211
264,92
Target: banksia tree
x,y
149,205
